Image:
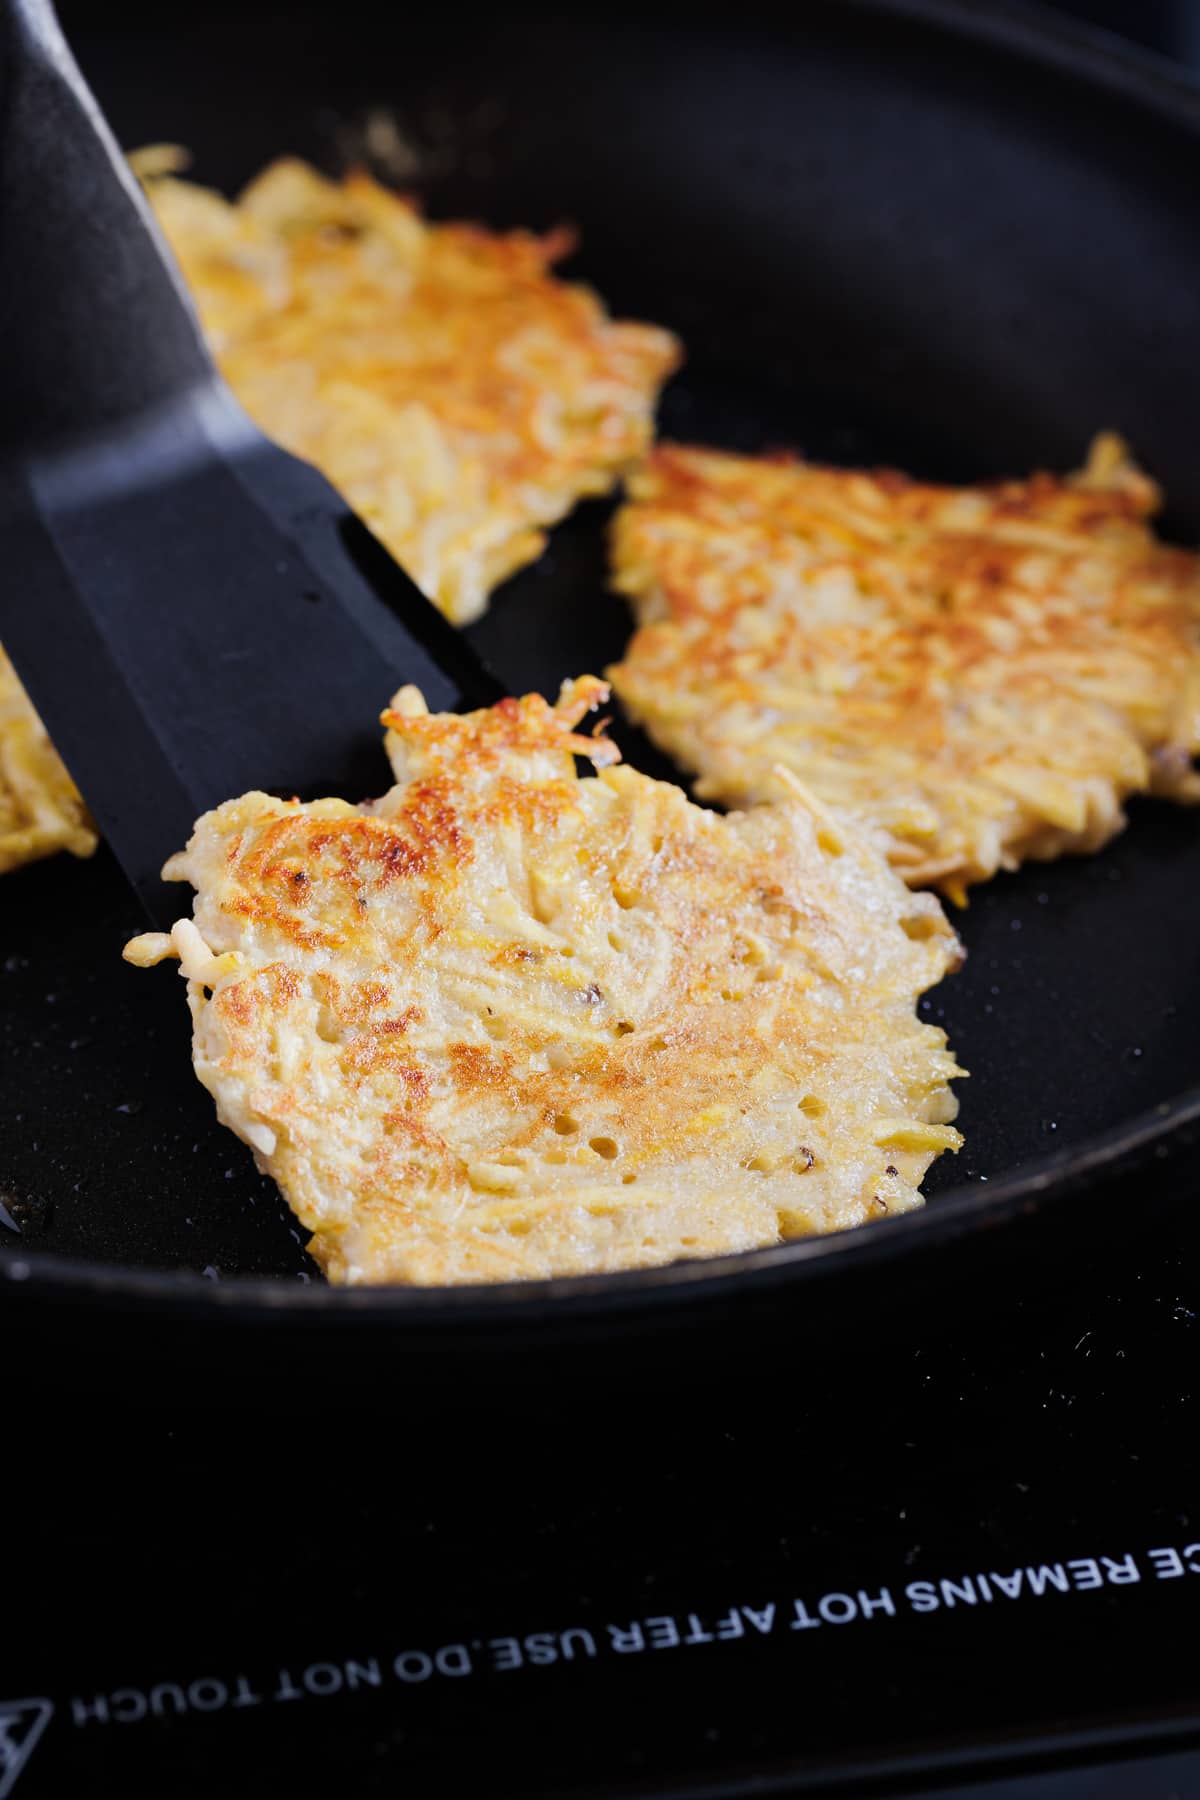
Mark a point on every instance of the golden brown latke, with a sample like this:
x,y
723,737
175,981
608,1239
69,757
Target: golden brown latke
x,y
980,674
508,1022
458,394
40,808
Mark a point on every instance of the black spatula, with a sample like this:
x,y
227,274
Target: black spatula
x,y
193,611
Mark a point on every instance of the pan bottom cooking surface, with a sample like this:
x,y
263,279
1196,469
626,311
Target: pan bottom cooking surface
x,y
114,1154
940,237
901,1550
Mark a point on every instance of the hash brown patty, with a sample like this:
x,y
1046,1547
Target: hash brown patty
x,y
978,675
40,808
458,394
510,1022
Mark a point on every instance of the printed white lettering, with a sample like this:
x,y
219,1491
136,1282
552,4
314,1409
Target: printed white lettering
x,y
358,1674
83,1710
506,1653
762,1618
413,1665
207,1695
837,1609
452,1659
1048,1575
159,1696
1121,1569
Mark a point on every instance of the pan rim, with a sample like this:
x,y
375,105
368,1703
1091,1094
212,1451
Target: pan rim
x,y
1070,45
1123,1150
1100,60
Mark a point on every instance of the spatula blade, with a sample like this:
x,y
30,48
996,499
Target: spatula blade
x,y
193,611
191,620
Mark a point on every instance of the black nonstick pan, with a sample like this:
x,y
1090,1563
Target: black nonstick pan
x,y
953,238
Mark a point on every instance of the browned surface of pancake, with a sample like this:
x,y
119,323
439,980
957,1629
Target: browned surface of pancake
x,y
979,675
510,1022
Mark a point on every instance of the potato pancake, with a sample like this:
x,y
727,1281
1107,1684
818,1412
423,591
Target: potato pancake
x,y
40,808
459,395
978,675
509,1021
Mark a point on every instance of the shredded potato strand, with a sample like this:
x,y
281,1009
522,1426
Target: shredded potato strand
x,y
457,393
977,675
511,1022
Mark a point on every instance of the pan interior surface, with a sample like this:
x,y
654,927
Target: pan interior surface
x,y
881,241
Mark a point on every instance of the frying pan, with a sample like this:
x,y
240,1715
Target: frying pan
x,y
953,238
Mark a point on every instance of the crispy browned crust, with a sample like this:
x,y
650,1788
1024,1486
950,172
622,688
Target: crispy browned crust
x,y
511,1022
982,674
40,808
459,395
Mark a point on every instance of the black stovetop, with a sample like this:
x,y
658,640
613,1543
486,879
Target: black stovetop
x,y
877,1569
966,1562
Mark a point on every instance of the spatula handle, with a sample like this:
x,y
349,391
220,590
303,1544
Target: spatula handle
x,y
95,325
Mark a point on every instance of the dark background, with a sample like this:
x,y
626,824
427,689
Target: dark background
x,y
1171,27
